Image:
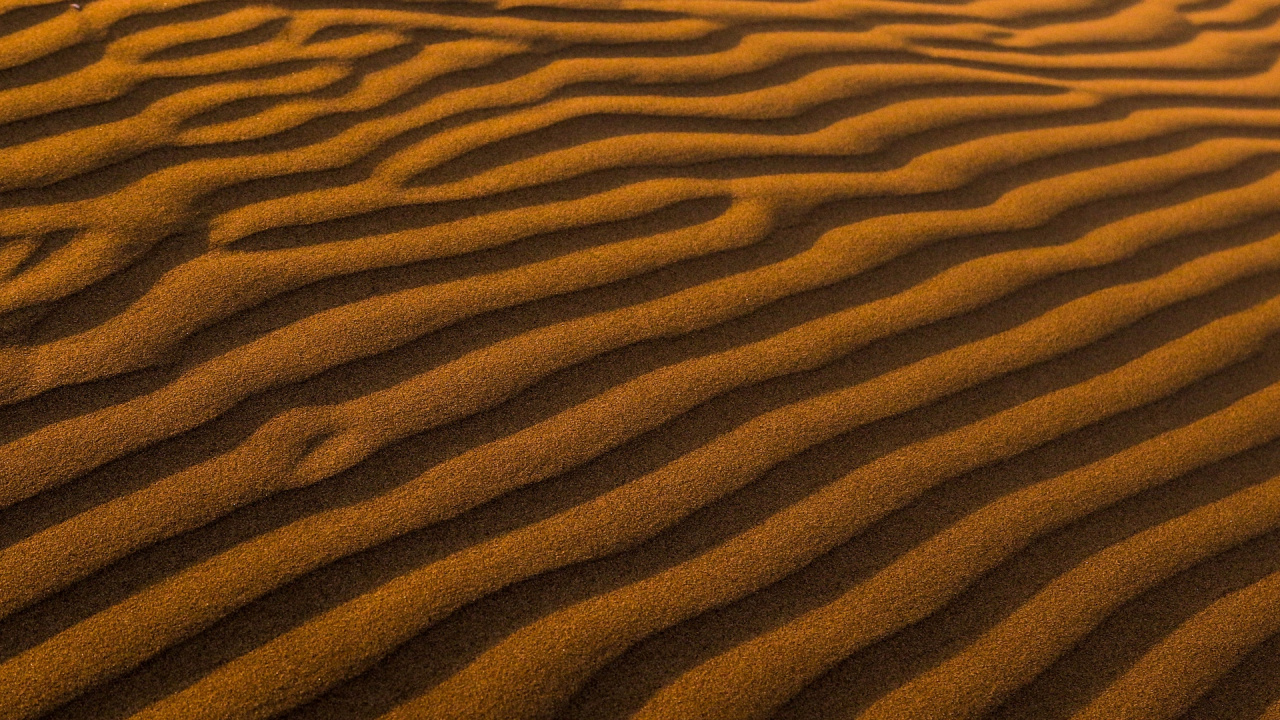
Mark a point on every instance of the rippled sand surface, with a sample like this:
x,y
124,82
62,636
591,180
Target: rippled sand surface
x,y
658,359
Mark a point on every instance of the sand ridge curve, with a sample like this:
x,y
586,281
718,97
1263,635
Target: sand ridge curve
x,y
639,358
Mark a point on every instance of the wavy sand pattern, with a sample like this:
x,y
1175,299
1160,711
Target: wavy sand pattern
x,y
657,359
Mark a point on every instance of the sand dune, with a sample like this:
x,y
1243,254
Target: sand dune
x,y
658,359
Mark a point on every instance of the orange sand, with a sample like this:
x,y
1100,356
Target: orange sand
x,y
659,359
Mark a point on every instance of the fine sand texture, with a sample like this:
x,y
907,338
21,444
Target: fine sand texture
x,y
651,359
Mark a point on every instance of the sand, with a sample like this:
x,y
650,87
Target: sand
x,y
658,359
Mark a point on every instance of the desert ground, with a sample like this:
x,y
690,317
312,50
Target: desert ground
x,y
650,359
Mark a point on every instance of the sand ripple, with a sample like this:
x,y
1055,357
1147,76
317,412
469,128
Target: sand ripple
x,y
659,359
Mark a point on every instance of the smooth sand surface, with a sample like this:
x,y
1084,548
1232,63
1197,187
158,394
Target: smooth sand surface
x,y
658,359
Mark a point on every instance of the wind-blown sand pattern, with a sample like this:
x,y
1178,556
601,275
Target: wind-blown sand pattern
x,y
640,358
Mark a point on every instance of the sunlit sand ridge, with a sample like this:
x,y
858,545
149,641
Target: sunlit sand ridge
x,y
655,359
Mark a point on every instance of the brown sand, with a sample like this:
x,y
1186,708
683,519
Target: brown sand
x,y
659,359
